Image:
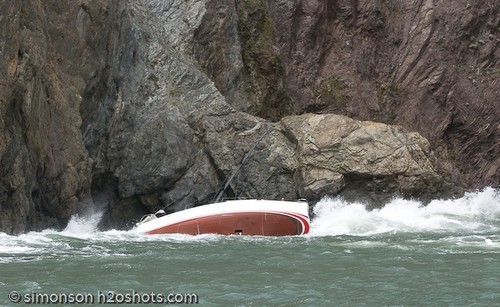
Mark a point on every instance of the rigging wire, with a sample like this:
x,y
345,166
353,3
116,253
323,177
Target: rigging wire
x,y
230,178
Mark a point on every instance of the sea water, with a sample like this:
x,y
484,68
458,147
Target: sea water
x,y
444,254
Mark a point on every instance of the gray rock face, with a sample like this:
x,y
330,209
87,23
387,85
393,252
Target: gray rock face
x,y
150,156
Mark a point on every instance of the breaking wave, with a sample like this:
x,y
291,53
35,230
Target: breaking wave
x,y
83,224
474,212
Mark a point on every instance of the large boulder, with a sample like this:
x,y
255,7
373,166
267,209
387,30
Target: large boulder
x,y
362,160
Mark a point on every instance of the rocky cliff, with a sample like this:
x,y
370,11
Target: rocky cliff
x,y
45,171
132,106
430,66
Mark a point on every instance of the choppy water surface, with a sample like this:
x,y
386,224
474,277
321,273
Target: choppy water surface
x,y
446,253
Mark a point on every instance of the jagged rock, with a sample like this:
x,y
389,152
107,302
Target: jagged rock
x,y
44,167
150,156
247,143
315,155
335,150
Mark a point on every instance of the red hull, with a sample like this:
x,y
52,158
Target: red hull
x,y
254,223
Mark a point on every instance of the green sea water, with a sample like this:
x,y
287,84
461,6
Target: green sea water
x,y
444,254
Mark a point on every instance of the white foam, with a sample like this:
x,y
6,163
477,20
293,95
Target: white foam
x,y
13,249
478,211
83,224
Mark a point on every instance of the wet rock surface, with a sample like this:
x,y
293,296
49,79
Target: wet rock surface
x,y
429,66
133,106
44,167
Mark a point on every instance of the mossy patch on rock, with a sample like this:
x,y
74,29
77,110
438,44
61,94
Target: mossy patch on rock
x,y
263,65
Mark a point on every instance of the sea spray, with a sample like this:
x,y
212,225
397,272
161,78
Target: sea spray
x,y
474,212
83,224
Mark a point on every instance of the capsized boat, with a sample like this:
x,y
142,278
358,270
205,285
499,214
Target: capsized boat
x,y
233,217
